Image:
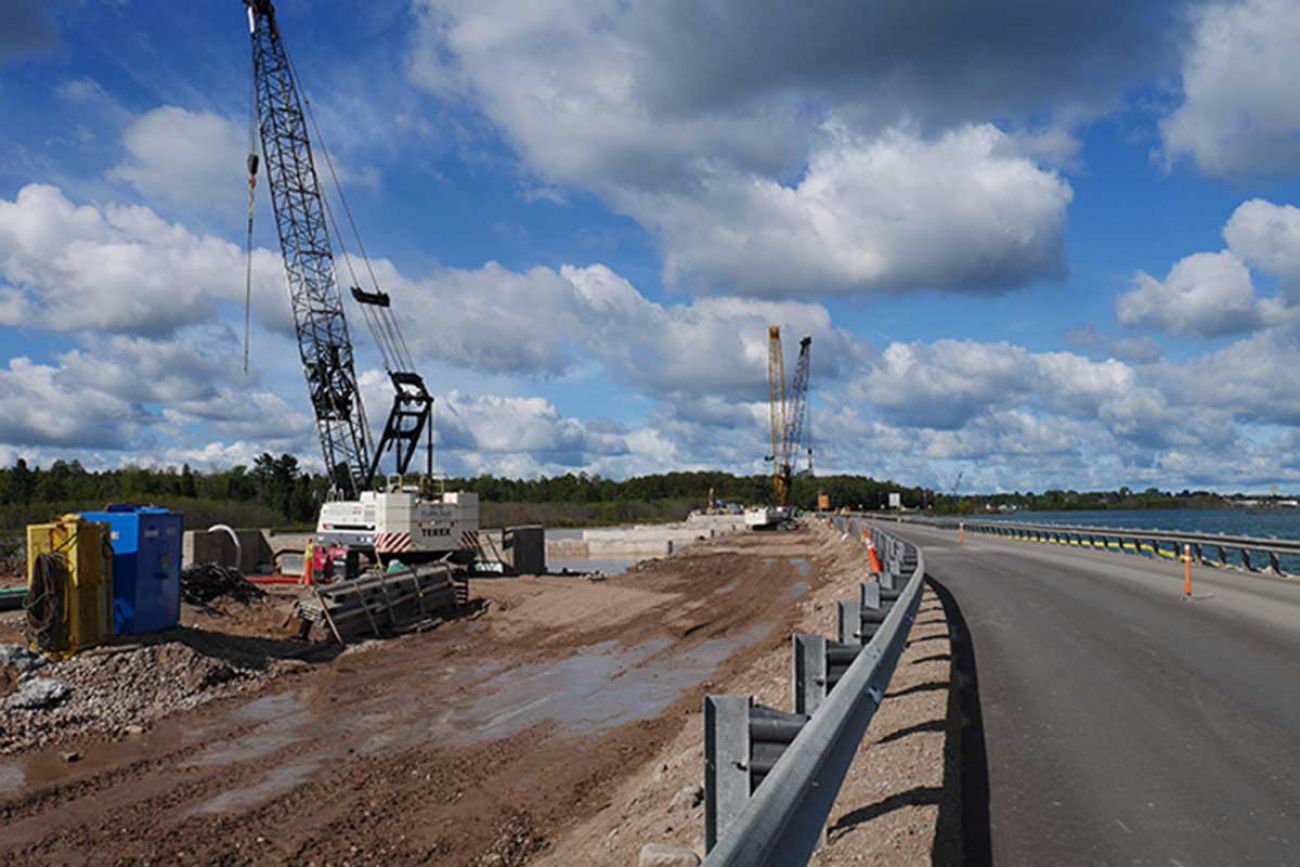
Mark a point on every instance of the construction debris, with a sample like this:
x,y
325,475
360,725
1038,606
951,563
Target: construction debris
x,y
203,583
123,692
20,659
378,603
35,693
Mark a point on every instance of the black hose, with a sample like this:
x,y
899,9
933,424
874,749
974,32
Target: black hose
x,y
46,601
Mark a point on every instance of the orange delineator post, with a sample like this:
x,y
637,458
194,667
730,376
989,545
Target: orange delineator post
x,y
871,553
961,532
1187,570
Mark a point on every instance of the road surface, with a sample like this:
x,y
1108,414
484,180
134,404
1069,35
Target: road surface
x,y
1121,724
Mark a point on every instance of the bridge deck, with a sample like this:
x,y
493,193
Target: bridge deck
x,y
1122,725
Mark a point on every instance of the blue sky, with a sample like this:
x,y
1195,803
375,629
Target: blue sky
x,y
1046,244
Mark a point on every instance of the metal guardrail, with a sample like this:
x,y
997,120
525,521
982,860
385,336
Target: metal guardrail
x,y
1168,544
771,777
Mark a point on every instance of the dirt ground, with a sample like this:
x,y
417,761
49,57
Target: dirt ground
x,y
558,725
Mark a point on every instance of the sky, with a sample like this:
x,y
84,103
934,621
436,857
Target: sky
x,y
1044,245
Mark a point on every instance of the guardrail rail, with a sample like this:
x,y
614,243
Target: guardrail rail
x,y
1166,544
771,776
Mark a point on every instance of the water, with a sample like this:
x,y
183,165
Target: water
x,y
1259,523
608,565
608,685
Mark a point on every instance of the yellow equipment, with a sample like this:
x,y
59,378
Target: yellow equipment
x,y
69,586
776,407
788,412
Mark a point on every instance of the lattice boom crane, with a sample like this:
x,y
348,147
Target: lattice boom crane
x,y
397,520
788,411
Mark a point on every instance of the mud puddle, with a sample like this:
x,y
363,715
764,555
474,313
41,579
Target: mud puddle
x,y
604,687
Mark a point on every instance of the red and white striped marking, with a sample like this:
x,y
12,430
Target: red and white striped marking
x,y
388,543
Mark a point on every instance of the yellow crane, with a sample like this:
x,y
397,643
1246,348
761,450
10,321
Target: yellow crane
x,y
787,411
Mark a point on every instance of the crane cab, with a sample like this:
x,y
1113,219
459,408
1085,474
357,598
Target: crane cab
x,y
403,525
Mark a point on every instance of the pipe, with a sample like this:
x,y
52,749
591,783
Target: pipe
x,y
234,537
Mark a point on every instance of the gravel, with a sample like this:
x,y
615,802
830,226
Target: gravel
x,y
120,692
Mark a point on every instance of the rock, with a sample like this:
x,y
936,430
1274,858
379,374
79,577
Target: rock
x,y
71,757
35,693
687,798
666,855
20,658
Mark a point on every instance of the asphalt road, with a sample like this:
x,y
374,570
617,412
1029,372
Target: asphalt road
x,y
1120,724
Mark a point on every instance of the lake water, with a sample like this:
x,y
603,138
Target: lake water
x,y
1261,523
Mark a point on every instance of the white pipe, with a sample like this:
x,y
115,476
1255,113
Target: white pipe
x,y
234,537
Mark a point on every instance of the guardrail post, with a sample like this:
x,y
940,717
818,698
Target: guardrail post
x,y
809,678
726,762
743,741
848,622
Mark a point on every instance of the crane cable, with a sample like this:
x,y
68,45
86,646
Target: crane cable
x,y
248,246
393,348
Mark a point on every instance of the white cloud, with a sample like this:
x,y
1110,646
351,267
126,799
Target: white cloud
x,y
543,323
1239,114
1267,237
886,214
68,267
779,178
191,159
1214,294
41,406
1209,294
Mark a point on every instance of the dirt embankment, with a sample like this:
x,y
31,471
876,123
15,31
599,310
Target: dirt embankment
x,y
559,725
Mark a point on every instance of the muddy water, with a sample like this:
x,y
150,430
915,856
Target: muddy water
x,y
603,687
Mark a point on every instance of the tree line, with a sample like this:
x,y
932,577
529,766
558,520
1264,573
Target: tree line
x,y
276,490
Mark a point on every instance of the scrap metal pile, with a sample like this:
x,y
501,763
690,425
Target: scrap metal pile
x,y
203,583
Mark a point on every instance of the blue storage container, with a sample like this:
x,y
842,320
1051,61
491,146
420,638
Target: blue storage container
x,y
146,566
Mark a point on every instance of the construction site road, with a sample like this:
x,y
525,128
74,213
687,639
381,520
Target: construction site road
x,y
1121,724
476,743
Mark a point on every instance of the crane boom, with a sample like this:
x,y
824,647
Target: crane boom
x,y
776,409
798,414
324,344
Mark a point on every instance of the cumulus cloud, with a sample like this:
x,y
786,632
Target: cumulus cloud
x,y
1267,237
192,159
1139,350
891,213
1214,294
69,267
1208,294
1239,115
41,406
544,322
767,176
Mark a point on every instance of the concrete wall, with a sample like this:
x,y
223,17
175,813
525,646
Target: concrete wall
x,y
216,546
644,540
524,548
